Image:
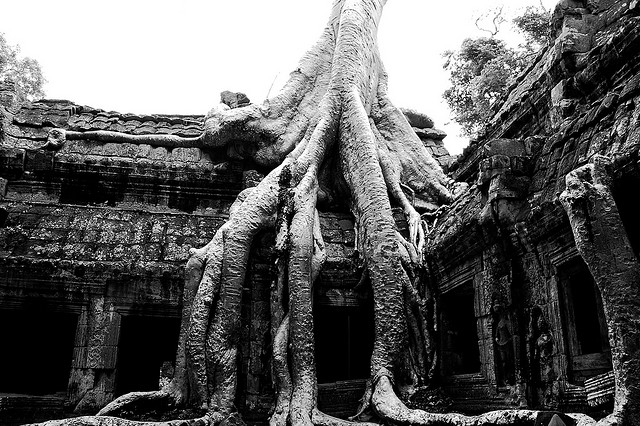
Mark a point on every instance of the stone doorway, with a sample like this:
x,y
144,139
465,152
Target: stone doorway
x,y
146,344
37,348
344,341
585,325
459,333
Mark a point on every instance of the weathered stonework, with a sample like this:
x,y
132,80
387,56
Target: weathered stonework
x,y
510,239
94,237
101,232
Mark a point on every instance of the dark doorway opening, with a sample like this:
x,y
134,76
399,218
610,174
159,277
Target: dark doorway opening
x,y
584,320
146,345
344,341
624,191
37,348
459,334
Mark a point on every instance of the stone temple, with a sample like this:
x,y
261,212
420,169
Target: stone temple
x,y
94,238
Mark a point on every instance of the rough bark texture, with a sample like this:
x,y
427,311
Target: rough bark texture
x,y
603,244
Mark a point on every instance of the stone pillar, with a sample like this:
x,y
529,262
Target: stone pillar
x,y
258,368
92,383
504,180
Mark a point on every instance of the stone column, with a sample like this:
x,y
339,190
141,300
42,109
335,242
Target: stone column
x,y
92,383
504,180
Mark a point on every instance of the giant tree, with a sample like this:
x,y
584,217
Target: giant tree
x,y
331,132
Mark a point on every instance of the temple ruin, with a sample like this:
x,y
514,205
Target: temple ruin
x,y
94,237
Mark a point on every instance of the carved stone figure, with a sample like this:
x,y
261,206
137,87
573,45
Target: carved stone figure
x,y
543,360
503,339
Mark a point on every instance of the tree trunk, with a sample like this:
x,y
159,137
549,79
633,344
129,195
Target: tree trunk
x,y
602,242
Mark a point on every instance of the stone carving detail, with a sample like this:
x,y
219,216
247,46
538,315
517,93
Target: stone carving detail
x,y
503,340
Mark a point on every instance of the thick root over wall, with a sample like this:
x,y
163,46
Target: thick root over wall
x,y
332,133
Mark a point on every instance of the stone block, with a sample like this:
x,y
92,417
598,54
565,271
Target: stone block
x,y
118,127
158,232
82,337
100,123
152,252
131,125
417,119
433,134
159,153
57,220
504,147
32,137
349,237
112,149
79,121
49,235
234,99
574,42
121,252
11,160
39,161
189,155
79,359
189,131
82,147
260,309
80,382
3,187
176,252
146,128
334,250
102,357
128,150
143,151
575,23
558,93
346,224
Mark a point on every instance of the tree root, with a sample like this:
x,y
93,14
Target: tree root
x,y
602,242
116,421
282,375
57,137
321,419
139,402
389,407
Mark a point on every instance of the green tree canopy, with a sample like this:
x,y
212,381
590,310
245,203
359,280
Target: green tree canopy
x,y
24,72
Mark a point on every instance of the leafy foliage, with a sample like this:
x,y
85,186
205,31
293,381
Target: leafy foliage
x,y
534,25
483,68
24,72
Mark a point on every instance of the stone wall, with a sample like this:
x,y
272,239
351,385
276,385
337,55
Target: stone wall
x,y
101,231
509,235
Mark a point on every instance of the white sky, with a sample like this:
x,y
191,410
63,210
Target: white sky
x,y
175,57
